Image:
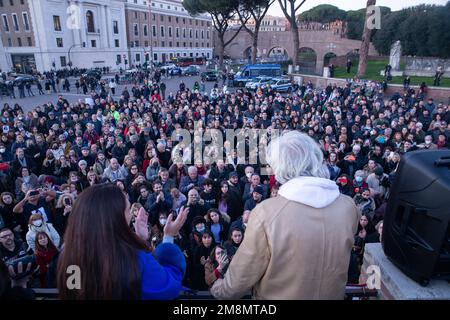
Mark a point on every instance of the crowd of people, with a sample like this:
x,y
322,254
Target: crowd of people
x,y
51,154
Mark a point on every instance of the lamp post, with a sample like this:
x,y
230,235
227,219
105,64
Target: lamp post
x,y
68,53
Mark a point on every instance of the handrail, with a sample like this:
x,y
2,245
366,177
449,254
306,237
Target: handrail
x,y
351,291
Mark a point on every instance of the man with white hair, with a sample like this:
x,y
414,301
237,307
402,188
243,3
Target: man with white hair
x,y
297,245
192,180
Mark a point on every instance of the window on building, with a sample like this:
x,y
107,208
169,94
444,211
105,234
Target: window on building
x,y
203,45
155,57
11,2
153,15
191,54
184,33
184,44
59,42
207,34
138,57
62,59
9,42
145,30
154,31
170,44
136,43
196,22
56,23
178,54
146,43
184,20
118,59
190,44
117,43
163,44
207,55
207,44
176,19
136,29
203,34
196,54
162,31
203,23
196,44
90,21
93,43
135,15
177,32
26,23
30,42
116,27
19,42
184,54
190,22
190,33
145,15
5,23
155,43
1,3
170,31
196,34
162,18
15,22
178,44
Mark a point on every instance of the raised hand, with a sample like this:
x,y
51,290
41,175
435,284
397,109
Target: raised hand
x,y
172,228
141,224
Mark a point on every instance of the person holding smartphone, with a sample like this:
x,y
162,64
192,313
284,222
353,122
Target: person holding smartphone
x,y
36,200
119,260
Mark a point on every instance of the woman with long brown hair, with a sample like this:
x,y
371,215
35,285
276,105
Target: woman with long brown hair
x,y
115,262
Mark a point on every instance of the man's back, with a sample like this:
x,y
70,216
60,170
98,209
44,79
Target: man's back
x,y
296,251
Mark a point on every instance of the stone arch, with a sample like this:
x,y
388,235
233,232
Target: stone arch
x,y
327,57
307,60
247,54
278,51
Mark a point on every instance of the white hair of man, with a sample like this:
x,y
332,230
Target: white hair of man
x,y
294,155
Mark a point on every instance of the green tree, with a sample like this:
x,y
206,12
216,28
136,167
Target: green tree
x,y
323,13
254,10
222,12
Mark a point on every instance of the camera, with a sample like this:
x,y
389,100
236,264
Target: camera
x,y
34,193
67,201
25,261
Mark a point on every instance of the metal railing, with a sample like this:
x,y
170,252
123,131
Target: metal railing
x,y
351,292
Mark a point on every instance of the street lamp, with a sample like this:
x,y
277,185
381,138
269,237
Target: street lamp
x,y
68,53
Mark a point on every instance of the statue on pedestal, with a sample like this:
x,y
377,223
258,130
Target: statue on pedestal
x,y
396,54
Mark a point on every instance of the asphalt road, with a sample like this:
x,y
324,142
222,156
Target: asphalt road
x,y
29,103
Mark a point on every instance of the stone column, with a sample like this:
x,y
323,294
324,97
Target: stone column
x,y
104,27
108,26
83,28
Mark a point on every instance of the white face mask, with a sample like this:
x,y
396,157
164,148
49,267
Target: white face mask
x,y
249,174
428,141
37,223
163,221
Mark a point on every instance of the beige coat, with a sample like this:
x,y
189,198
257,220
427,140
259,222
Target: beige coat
x,y
293,251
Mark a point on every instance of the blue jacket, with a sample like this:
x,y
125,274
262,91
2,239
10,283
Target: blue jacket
x,y
161,276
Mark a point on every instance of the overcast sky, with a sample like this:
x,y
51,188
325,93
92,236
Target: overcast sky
x,y
355,4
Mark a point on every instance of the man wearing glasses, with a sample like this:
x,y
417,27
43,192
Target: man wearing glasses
x,y
10,248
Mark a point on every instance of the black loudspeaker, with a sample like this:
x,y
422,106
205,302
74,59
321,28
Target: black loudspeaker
x,y
416,230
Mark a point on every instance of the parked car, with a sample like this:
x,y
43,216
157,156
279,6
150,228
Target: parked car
x,y
168,66
177,71
93,73
210,76
259,82
281,85
191,71
24,79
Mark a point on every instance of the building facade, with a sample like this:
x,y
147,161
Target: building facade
x,y
53,34
161,30
40,35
